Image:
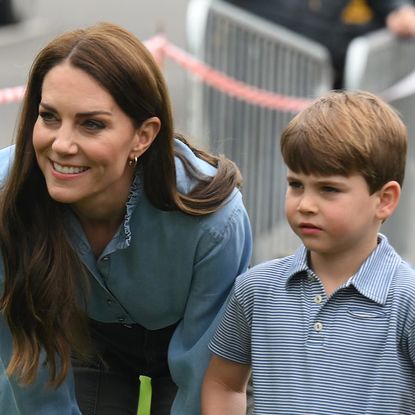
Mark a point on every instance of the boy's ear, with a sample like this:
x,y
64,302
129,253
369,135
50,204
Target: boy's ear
x,y
145,136
389,196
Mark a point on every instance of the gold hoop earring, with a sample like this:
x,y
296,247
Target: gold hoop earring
x,y
133,162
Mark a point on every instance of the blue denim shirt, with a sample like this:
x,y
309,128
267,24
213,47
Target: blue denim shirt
x,y
159,269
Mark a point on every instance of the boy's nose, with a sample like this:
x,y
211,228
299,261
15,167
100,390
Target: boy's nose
x,y
307,204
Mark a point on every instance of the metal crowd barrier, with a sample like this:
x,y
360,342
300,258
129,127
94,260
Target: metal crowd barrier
x,y
377,62
259,53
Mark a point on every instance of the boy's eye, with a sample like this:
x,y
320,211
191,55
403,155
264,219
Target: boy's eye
x,y
330,189
294,184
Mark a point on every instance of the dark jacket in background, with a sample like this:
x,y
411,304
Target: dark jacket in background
x,y
333,23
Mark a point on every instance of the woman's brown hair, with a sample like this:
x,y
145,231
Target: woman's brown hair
x,y
44,279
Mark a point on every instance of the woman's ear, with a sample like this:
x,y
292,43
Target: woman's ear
x,y
145,136
389,196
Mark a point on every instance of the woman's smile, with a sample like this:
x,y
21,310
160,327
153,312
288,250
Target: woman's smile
x,y
83,140
68,169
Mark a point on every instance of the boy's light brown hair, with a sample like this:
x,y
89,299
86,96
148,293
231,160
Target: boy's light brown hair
x,y
346,132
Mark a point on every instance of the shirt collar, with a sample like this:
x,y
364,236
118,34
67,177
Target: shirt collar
x,y
122,238
372,280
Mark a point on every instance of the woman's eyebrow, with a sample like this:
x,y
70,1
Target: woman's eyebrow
x,y
79,114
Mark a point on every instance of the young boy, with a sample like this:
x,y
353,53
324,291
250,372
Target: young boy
x,y
330,329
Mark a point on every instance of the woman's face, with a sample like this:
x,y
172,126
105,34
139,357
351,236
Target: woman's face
x,y
83,140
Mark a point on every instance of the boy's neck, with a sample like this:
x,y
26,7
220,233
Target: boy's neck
x,y
335,269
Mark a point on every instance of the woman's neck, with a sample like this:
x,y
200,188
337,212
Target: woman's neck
x,y
99,234
100,220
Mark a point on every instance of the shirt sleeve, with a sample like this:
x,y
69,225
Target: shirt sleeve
x,y
232,339
6,159
37,398
411,337
221,256
411,344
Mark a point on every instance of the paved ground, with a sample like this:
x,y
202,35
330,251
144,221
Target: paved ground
x,y
19,43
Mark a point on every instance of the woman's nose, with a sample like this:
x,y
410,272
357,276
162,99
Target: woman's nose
x,y
64,141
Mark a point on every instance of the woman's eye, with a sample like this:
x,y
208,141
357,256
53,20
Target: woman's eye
x,y
47,116
93,125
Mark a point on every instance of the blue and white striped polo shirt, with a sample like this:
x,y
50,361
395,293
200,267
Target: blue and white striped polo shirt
x,y
352,353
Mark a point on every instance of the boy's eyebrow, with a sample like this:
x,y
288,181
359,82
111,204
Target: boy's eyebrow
x,y
332,182
331,179
48,107
321,180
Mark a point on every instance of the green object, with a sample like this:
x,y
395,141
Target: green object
x,y
144,400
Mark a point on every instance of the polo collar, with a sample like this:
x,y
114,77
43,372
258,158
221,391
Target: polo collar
x,y
372,280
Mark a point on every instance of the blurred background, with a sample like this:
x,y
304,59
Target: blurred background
x,y
238,71
38,21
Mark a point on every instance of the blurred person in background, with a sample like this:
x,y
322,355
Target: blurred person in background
x,y
15,11
119,240
335,23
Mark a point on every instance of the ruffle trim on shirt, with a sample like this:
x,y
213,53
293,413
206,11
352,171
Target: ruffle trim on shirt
x,y
133,198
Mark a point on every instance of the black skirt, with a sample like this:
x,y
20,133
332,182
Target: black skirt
x,y
109,384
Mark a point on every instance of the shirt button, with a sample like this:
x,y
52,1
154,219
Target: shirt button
x,y
318,299
318,326
121,319
109,301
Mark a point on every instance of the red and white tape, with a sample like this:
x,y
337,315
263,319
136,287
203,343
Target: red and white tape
x,y
9,95
231,86
15,94
160,47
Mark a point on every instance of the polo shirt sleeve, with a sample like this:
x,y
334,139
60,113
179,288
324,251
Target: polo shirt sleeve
x,y
412,345
411,342
232,339
223,253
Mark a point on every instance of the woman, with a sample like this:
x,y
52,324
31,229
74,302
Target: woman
x,y
120,243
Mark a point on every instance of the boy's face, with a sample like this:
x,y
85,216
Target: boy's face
x,y
332,214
